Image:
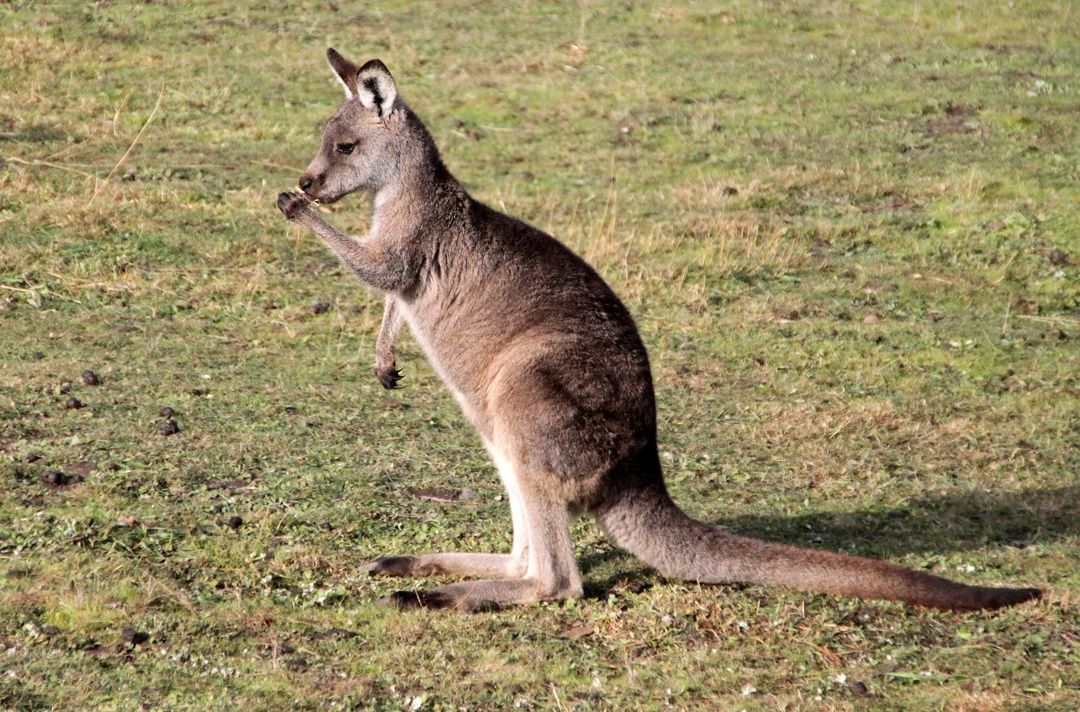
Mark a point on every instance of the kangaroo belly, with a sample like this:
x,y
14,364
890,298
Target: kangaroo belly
x,y
441,355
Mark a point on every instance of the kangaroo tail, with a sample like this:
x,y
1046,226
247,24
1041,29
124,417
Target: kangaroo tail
x,y
648,524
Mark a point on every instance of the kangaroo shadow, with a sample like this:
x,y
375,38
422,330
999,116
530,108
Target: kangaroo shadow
x,y
940,523
951,522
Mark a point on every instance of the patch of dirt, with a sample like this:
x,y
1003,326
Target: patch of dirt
x,y
955,119
83,468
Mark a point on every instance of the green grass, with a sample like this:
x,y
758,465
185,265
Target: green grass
x,y
849,233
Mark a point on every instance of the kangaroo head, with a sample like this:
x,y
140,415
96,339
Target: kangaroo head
x,y
362,144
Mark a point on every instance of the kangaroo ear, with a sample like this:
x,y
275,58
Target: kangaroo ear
x,y
375,87
345,70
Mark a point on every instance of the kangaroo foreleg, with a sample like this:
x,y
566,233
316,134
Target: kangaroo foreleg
x,y
385,363
370,261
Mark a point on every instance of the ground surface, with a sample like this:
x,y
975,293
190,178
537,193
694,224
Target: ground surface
x,y
849,233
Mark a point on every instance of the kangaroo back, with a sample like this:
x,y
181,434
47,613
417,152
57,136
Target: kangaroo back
x,y
645,522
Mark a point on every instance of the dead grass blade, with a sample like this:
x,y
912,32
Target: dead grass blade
x,y
134,141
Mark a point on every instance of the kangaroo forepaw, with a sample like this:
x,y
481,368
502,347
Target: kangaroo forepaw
x,y
388,377
292,205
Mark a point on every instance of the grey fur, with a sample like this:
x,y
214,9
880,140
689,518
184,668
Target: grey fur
x,y
547,364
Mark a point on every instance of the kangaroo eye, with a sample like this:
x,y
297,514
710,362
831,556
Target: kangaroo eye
x,y
345,148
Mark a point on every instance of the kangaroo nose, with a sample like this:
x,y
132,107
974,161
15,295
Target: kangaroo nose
x,y
305,183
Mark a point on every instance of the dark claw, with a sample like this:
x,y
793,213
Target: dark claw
x,y
389,378
406,600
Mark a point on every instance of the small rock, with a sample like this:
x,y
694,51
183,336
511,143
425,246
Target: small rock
x,y
870,319
32,457
858,688
320,307
166,412
235,522
1059,258
63,388
169,427
133,637
228,485
90,378
578,631
73,403
54,478
437,494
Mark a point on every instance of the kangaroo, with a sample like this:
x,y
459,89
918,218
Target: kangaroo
x,y
547,365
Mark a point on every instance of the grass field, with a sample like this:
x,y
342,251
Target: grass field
x,y
849,232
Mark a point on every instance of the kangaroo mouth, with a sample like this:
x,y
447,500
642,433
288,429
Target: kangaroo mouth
x,y
323,198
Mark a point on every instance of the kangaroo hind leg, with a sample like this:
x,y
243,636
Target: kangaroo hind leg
x,y
512,565
552,572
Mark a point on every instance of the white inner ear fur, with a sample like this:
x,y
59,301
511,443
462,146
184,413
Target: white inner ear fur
x,y
372,85
348,92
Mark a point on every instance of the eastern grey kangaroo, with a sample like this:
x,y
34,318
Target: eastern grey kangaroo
x,y
547,364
